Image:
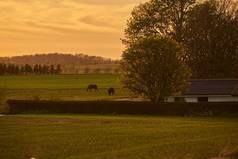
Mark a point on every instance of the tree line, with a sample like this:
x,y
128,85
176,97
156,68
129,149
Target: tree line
x,y
13,69
170,41
207,31
58,58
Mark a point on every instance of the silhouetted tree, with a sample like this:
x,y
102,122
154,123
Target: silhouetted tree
x,y
36,69
22,69
211,41
58,69
28,69
4,68
152,67
52,69
17,70
2,71
40,70
45,69
158,17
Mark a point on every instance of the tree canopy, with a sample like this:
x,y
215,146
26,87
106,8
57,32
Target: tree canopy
x,y
207,30
153,67
211,39
158,17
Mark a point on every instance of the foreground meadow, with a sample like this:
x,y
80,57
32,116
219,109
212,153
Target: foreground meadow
x,y
107,137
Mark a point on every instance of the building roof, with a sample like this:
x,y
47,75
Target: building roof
x,y
212,87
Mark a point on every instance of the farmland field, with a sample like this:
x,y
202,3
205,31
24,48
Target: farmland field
x,y
59,81
59,87
107,137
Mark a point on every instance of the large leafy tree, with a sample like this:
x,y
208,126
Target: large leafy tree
x,y
211,39
158,17
152,67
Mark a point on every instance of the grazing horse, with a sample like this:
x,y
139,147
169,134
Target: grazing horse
x,y
92,87
111,91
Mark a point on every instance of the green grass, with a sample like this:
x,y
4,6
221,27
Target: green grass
x,y
59,81
114,137
59,87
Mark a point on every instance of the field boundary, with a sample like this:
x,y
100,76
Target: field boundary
x,y
120,107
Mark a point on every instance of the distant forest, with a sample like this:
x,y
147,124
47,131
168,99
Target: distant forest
x,y
13,69
68,63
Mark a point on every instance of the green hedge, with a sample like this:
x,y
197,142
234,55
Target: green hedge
x,y
115,107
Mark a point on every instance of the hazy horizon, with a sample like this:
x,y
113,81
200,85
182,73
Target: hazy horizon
x,y
90,27
60,53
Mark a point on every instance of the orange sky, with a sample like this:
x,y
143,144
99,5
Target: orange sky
x,y
93,27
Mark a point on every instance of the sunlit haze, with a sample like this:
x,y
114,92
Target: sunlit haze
x,y
92,27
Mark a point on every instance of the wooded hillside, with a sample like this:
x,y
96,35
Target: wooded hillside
x,y
70,64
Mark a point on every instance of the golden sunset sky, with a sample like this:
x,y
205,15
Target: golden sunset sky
x,y
92,27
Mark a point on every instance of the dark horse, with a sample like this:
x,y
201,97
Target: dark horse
x,y
111,91
92,87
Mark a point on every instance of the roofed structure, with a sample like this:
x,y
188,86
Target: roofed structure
x,y
212,87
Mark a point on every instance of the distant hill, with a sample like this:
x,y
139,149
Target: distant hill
x,y
57,58
71,64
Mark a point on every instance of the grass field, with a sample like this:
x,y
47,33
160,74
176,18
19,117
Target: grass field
x,y
59,87
104,137
114,137
59,81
